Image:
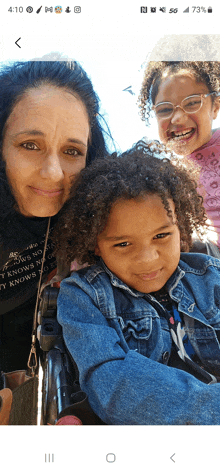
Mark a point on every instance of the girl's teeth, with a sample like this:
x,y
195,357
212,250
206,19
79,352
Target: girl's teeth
x,y
182,135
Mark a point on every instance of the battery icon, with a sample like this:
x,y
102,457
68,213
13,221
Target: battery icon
x,y
210,10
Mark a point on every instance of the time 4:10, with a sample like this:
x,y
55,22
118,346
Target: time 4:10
x,y
16,9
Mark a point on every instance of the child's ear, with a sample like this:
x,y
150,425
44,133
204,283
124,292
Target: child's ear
x,y
184,247
97,251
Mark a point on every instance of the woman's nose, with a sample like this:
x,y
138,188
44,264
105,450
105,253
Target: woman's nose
x,y
51,168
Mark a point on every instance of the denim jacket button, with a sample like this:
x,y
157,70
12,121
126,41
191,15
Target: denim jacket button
x,y
165,357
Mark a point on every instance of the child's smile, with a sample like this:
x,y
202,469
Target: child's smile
x,y
183,132
186,134
140,243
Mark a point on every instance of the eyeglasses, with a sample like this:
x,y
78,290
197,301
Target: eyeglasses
x,y
191,104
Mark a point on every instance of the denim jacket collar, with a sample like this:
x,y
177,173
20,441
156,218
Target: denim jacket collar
x,y
116,282
189,265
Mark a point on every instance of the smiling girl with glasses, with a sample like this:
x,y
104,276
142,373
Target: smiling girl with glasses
x,y
185,97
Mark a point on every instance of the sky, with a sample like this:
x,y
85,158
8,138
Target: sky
x,y
111,73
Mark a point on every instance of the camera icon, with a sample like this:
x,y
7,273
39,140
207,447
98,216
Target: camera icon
x,y
77,9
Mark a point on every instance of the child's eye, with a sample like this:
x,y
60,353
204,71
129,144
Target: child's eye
x,y
124,244
30,146
162,235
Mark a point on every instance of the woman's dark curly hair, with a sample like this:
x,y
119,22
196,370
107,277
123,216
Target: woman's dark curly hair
x,y
135,173
204,71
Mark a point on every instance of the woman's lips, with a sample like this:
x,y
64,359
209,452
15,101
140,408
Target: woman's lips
x,y
47,193
150,275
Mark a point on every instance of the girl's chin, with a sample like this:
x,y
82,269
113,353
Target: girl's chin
x,y
183,146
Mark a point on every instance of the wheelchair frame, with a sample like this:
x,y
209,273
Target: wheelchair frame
x,y
61,392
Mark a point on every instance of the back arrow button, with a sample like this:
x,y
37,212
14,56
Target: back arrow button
x,y
16,42
172,457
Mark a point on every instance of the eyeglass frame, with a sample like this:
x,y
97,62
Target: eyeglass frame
x,y
202,95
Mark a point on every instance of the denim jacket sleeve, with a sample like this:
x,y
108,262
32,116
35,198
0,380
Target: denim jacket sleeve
x,y
124,387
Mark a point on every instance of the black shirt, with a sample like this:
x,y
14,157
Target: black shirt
x,y
19,277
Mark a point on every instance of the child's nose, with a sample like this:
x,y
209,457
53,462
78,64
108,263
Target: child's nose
x,y
178,116
147,255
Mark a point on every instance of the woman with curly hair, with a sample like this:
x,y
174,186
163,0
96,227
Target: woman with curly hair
x,y
184,96
142,319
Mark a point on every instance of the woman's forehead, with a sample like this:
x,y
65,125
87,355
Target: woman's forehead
x,y
46,103
48,94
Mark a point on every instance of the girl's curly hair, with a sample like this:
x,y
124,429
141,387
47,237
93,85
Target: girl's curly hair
x,y
143,170
206,72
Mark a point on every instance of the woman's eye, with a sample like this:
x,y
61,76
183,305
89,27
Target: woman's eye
x,y
30,146
73,152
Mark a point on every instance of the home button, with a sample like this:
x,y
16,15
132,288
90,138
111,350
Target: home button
x,y
111,457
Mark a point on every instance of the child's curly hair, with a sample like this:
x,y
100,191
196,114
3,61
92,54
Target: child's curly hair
x,y
133,174
204,71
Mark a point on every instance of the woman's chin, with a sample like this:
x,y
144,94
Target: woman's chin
x,y
41,212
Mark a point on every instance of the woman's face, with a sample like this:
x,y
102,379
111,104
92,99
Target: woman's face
x,y
44,146
184,133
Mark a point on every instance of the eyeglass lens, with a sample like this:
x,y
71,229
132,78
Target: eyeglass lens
x,y
189,105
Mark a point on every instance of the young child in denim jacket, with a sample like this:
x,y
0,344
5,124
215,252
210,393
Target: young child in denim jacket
x,y
185,96
142,320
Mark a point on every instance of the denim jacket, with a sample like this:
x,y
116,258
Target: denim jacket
x,y
121,344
